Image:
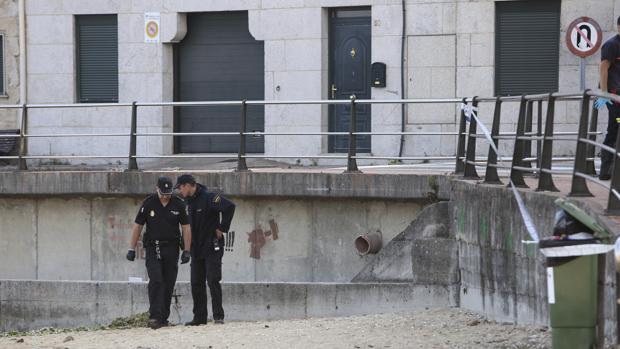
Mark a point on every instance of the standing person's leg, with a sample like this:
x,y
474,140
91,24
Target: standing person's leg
x,y
214,276
199,291
156,284
170,257
607,158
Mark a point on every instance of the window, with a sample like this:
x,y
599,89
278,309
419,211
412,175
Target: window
x,y
97,58
527,39
2,91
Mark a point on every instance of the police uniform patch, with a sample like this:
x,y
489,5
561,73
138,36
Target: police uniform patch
x,y
217,199
152,213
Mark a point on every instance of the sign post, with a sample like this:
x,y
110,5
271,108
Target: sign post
x,y
583,38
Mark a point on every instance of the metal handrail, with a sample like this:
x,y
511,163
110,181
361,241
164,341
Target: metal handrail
x,y
521,161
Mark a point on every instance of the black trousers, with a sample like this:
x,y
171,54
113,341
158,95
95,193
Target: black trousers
x,y
162,277
612,129
209,270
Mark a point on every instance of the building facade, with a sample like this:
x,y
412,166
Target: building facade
x,y
9,62
86,51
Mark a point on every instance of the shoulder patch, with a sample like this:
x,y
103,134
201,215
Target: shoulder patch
x,y
217,199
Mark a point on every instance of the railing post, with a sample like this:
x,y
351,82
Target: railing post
x,y
460,148
613,203
241,162
591,150
351,161
470,157
545,180
527,144
516,176
579,186
133,163
539,134
23,141
491,176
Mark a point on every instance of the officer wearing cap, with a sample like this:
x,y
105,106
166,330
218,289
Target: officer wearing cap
x,y
208,228
162,214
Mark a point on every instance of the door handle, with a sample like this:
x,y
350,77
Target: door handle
x,y
334,89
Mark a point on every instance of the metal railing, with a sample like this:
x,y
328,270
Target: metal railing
x,y
521,162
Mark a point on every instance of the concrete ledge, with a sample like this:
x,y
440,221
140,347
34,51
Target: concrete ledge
x,y
26,305
283,184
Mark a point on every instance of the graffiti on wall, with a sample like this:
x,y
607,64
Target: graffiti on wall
x,y
258,238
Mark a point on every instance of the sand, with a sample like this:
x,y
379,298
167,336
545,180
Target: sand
x,y
435,328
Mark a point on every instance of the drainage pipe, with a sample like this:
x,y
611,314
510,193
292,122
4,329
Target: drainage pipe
x,y
368,243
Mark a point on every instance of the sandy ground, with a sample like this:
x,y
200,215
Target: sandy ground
x,y
440,328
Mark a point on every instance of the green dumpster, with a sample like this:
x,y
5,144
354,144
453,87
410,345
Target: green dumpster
x,y
572,276
573,309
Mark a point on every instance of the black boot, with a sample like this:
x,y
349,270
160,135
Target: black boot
x,y
196,322
606,162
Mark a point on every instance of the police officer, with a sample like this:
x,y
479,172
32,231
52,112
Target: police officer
x,y
208,230
610,82
162,213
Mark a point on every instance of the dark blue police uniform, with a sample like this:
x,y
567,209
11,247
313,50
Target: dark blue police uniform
x,y
204,210
611,52
161,241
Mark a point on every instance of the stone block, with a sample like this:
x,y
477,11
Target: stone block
x,y
386,20
51,59
56,236
431,114
275,55
289,83
425,19
303,23
135,58
471,17
55,29
386,49
482,49
475,81
432,51
51,88
463,50
18,244
303,55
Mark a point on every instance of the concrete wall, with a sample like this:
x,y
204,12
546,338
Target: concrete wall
x,y
449,53
9,29
500,276
28,305
85,238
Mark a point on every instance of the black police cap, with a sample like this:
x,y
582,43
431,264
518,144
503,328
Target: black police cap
x,y
165,185
185,179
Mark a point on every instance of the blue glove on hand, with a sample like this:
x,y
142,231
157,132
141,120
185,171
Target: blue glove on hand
x,y
600,102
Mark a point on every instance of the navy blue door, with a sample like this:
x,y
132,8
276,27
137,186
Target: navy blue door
x,y
349,74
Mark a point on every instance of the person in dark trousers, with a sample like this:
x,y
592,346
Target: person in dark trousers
x,y
207,250
610,82
162,214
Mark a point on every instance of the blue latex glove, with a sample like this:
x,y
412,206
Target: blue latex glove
x,y
600,102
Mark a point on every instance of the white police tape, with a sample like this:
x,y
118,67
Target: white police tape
x,y
472,111
469,110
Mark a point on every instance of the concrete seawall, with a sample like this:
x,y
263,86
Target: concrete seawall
x,y
468,250
35,304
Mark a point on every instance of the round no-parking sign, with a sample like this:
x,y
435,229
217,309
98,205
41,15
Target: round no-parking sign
x,y
584,37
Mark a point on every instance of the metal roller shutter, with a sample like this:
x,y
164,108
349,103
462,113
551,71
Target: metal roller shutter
x,y
97,58
527,43
219,60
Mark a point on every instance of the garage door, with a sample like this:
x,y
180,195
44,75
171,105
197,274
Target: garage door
x,y
218,60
